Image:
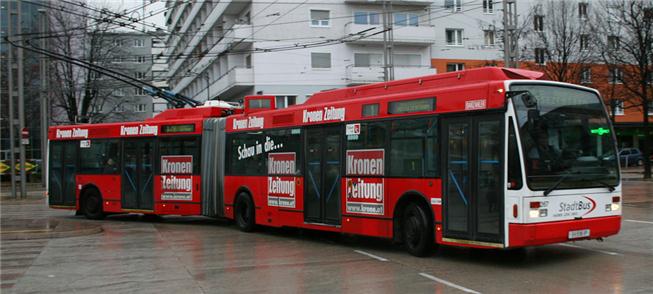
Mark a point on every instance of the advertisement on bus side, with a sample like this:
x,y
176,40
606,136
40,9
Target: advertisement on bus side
x,y
281,179
177,177
364,183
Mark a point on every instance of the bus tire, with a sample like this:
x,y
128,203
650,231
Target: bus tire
x,y
244,212
92,204
417,231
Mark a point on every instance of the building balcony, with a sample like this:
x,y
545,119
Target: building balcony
x,y
374,74
402,35
234,81
394,2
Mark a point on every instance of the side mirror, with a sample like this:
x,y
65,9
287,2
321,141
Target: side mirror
x,y
529,100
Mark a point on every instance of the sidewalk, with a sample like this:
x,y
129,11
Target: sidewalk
x,y
31,218
633,174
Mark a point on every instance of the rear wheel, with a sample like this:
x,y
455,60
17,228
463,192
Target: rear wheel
x,y
244,212
92,204
417,230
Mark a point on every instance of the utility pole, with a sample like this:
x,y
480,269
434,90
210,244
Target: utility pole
x,y
21,101
509,37
12,123
44,102
388,40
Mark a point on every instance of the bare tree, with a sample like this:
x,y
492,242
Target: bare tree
x,y
78,94
556,37
625,32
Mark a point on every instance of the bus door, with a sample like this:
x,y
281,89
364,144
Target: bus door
x,y
62,170
322,178
137,174
473,178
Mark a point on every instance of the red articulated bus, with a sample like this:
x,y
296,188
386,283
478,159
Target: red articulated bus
x,y
485,158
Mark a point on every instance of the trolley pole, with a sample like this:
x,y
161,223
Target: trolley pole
x,y
12,122
44,103
21,102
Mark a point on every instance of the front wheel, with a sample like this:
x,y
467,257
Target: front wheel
x,y
244,213
417,231
92,204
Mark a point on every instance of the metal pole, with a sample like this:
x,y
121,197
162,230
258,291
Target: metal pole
x,y
385,43
44,104
506,36
391,41
21,102
10,80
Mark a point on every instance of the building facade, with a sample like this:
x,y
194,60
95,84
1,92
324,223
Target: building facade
x,y
292,49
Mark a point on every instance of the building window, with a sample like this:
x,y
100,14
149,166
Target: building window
x,y
406,60
540,56
584,42
139,59
455,67
368,59
454,37
139,92
139,43
365,17
140,107
489,37
320,60
286,100
119,92
319,18
582,10
586,76
406,19
139,75
118,59
615,75
613,42
488,6
454,5
118,42
650,108
618,107
538,23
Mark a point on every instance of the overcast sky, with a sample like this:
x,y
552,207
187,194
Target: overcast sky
x,y
153,8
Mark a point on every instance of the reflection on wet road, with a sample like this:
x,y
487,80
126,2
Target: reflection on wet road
x,y
197,255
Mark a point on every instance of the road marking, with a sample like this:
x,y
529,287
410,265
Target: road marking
x,y
379,258
450,284
590,249
638,221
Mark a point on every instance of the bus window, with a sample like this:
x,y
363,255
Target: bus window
x,y
413,148
372,136
514,164
101,157
370,110
181,146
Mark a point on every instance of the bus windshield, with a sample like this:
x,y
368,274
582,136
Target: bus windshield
x,y
566,138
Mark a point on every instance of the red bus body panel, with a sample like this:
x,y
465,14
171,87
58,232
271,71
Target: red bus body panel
x,y
556,232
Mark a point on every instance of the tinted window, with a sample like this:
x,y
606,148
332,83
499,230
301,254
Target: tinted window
x,y
372,136
371,110
248,151
180,146
413,148
101,157
514,163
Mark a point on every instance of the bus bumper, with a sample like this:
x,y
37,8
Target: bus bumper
x,y
557,232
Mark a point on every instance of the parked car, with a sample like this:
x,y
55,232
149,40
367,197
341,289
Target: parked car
x,y
630,156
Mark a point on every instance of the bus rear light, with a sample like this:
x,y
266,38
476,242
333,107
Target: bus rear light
x,y
616,199
535,205
515,211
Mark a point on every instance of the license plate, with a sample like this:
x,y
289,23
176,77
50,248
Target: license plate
x,y
579,234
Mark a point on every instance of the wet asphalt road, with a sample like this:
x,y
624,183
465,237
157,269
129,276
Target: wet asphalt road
x,y
198,255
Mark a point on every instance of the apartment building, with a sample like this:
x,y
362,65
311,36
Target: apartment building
x,y
132,56
292,49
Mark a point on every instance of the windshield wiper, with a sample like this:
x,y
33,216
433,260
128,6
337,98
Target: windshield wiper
x,y
556,184
604,184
